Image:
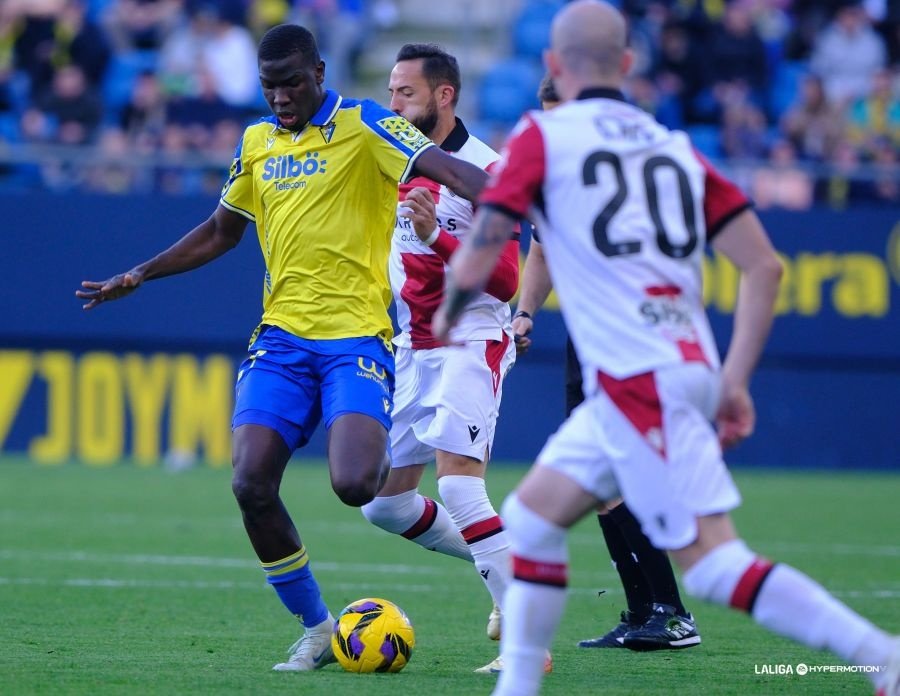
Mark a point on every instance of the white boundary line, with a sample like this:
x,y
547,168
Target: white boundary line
x,y
132,583
217,562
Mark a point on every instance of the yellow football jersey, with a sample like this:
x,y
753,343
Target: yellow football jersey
x,y
324,201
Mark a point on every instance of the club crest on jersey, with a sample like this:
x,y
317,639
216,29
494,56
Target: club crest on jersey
x,y
270,141
404,132
327,131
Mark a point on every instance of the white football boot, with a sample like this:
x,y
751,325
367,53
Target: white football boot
x,y
493,625
312,650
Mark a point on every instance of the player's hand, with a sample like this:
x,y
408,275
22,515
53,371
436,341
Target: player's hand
x,y
522,327
736,416
419,207
118,286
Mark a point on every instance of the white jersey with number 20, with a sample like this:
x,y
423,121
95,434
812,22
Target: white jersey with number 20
x,y
624,207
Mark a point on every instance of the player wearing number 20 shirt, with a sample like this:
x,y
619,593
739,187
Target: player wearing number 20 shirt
x,y
625,207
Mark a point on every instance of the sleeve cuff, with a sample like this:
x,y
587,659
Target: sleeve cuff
x,y
433,237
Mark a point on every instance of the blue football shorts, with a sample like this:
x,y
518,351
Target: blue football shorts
x,y
290,384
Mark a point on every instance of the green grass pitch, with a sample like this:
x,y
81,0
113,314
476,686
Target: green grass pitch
x,y
141,581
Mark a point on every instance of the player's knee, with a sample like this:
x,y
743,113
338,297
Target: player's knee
x,y
532,536
253,492
715,576
355,491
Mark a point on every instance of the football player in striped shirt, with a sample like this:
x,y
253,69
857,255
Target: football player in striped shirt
x,y
625,208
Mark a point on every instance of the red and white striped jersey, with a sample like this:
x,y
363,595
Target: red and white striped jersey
x,y
624,209
418,272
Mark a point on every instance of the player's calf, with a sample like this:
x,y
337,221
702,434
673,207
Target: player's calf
x,y
786,602
419,519
467,502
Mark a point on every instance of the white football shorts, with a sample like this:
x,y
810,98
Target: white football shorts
x,y
649,439
448,398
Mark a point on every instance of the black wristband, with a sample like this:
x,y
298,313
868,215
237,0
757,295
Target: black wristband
x,y
522,313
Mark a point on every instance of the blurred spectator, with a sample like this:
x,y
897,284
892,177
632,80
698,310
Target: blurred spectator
x,y
704,67
875,117
114,171
145,111
843,182
262,15
7,43
772,22
35,126
646,22
810,17
891,30
812,124
885,186
204,108
847,54
744,131
54,34
642,93
782,184
171,178
698,14
682,72
219,149
340,29
141,24
737,54
211,48
75,107
223,139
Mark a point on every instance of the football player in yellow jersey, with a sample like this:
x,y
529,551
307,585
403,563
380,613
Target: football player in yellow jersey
x,y
319,179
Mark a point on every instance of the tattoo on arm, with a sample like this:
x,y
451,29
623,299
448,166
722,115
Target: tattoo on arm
x,y
491,230
457,299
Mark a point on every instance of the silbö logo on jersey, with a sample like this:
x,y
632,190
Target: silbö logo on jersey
x,y
290,173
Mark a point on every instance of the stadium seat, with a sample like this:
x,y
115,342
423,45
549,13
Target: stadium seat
x,y
707,139
509,89
19,90
96,8
122,73
531,31
9,128
785,86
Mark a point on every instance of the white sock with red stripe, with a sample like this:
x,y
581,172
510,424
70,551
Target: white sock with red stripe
x,y
419,519
786,602
467,502
535,600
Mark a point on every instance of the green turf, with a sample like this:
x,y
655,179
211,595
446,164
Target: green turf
x,y
140,581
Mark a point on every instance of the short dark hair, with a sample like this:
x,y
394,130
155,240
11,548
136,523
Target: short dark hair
x,y
438,66
547,90
285,40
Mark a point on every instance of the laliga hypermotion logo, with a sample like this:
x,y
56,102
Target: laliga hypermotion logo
x,y
284,167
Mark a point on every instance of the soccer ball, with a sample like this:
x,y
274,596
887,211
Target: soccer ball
x,y
372,635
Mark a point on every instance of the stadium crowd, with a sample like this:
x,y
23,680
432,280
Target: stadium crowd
x,y
798,99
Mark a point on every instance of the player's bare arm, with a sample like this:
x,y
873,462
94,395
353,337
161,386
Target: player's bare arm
x,y
471,266
463,178
533,293
207,241
746,244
